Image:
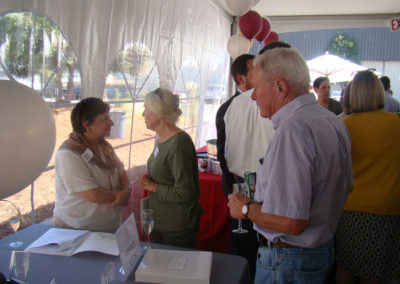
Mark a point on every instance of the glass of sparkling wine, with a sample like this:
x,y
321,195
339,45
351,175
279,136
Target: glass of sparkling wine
x,y
14,223
19,266
147,224
241,189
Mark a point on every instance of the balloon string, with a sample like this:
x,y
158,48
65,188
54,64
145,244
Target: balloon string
x,y
237,43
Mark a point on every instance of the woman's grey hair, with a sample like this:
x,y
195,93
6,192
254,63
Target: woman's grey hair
x,y
285,63
164,104
366,92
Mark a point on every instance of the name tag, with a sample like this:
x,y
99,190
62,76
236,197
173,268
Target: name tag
x,y
155,152
87,155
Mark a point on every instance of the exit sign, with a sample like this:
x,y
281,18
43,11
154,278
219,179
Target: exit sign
x,y
395,24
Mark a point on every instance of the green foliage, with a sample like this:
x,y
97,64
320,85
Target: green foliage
x,y
345,47
32,47
15,30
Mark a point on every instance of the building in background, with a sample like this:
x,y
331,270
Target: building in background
x,y
378,48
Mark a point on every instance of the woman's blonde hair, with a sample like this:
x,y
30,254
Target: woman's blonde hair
x,y
366,93
164,104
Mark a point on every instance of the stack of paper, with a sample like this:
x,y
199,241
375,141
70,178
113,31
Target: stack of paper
x,y
68,242
177,267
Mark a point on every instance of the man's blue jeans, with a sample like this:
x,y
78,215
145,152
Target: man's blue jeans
x,y
294,265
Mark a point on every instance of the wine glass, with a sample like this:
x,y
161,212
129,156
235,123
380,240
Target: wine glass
x,y
240,188
147,224
14,221
113,273
19,266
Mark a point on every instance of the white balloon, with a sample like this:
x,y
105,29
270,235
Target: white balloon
x,y
239,7
27,132
237,45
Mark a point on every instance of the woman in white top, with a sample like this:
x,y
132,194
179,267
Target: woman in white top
x,y
91,183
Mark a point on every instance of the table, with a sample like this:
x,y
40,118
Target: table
x,y
87,267
215,223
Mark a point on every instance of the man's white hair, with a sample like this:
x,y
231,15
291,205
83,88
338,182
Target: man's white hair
x,y
286,63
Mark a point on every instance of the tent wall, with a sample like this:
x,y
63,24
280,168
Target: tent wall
x,y
98,29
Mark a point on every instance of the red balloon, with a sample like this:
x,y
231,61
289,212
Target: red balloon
x,y
265,30
250,24
273,36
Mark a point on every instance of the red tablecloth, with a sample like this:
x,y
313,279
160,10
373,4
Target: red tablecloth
x,y
215,223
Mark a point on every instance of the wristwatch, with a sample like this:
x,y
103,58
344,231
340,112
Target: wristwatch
x,y
245,208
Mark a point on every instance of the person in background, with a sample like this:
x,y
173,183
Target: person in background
x,y
391,104
322,88
241,71
172,177
345,100
368,234
302,181
91,183
386,85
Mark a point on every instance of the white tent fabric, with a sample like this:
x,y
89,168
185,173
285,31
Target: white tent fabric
x,y
98,29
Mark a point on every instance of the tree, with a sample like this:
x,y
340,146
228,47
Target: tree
x,y
31,47
345,47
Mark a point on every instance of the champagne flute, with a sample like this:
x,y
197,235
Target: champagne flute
x,y
15,220
241,189
14,223
147,224
19,266
113,273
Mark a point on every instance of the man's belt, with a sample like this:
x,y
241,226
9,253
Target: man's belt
x,y
263,242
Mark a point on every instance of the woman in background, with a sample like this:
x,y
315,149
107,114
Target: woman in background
x,y
91,183
172,175
368,234
322,87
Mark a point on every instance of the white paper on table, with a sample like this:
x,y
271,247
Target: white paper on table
x,y
100,242
175,267
59,241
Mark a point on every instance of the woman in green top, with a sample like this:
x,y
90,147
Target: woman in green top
x,y
172,177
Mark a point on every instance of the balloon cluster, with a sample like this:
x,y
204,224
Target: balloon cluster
x,y
251,25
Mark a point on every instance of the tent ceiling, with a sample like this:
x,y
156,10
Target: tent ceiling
x,y
317,7
288,15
